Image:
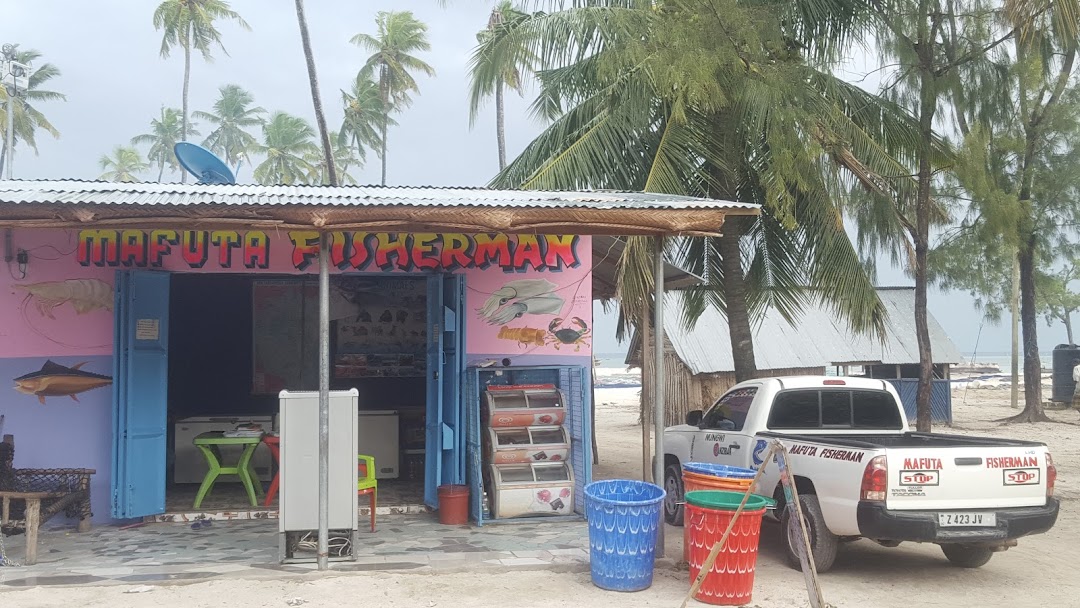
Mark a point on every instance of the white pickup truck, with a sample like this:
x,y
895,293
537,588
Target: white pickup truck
x,y
860,473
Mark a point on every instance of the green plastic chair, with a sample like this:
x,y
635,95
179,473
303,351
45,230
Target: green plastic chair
x,y
367,484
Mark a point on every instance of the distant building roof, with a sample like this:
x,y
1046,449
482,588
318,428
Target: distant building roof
x,y
87,204
818,338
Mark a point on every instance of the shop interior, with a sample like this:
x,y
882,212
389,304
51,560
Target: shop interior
x,y
236,341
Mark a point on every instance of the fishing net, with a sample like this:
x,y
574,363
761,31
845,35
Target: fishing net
x,y
72,486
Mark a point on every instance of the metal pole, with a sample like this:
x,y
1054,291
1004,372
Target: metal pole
x,y
324,401
658,381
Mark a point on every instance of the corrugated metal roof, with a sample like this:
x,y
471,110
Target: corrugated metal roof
x,y
114,193
818,338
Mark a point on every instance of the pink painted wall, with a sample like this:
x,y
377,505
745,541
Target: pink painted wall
x,y
529,299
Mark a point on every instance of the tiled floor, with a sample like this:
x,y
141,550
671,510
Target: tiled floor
x,y
229,501
227,496
172,551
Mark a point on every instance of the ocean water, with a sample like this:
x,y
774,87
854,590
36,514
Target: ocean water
x,y
612,372
1004,359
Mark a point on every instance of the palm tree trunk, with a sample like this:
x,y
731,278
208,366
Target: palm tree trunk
x,y
313,80
187,81
3,154
161,171
382,138
500,123
735,293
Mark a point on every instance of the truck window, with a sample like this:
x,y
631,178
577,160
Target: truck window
x,y
733,406
833,408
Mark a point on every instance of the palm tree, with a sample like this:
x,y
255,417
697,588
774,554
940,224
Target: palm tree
x,y
163,136
231,117
656,101
399,35
190,24
123,165
320,121
494,67
364,116
345,158
28,118
288,144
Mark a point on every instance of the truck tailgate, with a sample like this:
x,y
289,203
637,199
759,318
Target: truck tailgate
x,y
966,477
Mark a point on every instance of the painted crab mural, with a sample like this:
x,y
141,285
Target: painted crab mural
x,y
574,335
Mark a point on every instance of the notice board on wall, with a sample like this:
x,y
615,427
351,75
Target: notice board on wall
x,y
285,324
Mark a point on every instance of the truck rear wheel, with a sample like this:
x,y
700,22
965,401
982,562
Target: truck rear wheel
x,y
823,543
673,507
967,556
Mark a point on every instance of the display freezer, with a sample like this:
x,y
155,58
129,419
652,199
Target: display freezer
x,y
532,489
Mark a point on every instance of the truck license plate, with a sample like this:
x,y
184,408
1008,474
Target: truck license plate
x,y
967,519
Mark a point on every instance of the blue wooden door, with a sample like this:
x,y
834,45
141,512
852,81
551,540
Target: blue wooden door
x,y
453,369
434,439
444,451
141,370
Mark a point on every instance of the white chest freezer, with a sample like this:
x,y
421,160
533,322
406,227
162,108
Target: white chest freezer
x,y
377,435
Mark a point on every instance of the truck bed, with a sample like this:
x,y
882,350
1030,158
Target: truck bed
x,y
904,440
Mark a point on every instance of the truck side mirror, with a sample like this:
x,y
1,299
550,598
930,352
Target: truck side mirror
x,y
693,418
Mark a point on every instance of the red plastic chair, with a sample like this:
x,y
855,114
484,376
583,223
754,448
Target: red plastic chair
x,y
273,443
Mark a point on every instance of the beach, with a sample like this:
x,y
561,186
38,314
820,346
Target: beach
x,y
865,574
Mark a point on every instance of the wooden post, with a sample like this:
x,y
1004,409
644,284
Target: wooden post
x,y
5,510
33,521
84,520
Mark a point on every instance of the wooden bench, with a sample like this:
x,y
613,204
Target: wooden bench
x,y
43,493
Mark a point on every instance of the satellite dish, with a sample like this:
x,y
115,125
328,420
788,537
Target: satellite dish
x,y
203,164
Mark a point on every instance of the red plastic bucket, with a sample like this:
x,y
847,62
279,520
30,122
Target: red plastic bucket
x,y
697,481
454,505
730,582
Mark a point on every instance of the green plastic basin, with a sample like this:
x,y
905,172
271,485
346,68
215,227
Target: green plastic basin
x,y
727,501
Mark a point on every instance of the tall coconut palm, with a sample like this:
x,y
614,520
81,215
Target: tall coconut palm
x,y
364,116
165,132
494,68
28,118
288,144
345,158
191,24
233,114
652,100
123,166
324,133
399,34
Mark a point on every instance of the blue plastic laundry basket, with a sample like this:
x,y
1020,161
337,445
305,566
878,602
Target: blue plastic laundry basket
x,y
624,515
719,470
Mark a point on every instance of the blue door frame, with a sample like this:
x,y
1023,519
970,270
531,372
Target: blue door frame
x,y
445,436
140,393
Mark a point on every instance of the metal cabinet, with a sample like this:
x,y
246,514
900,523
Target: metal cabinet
x,y
298,422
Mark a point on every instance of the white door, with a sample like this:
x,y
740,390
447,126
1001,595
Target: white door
x,y
721,439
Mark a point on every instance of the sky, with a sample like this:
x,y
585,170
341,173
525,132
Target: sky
x,y
116,82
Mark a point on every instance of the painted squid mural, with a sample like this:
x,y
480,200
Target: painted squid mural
x,y
523,298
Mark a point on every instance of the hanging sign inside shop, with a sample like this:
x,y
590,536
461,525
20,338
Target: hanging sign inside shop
x,y
385,251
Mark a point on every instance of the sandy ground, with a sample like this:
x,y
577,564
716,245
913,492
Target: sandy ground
x,y
1040,572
